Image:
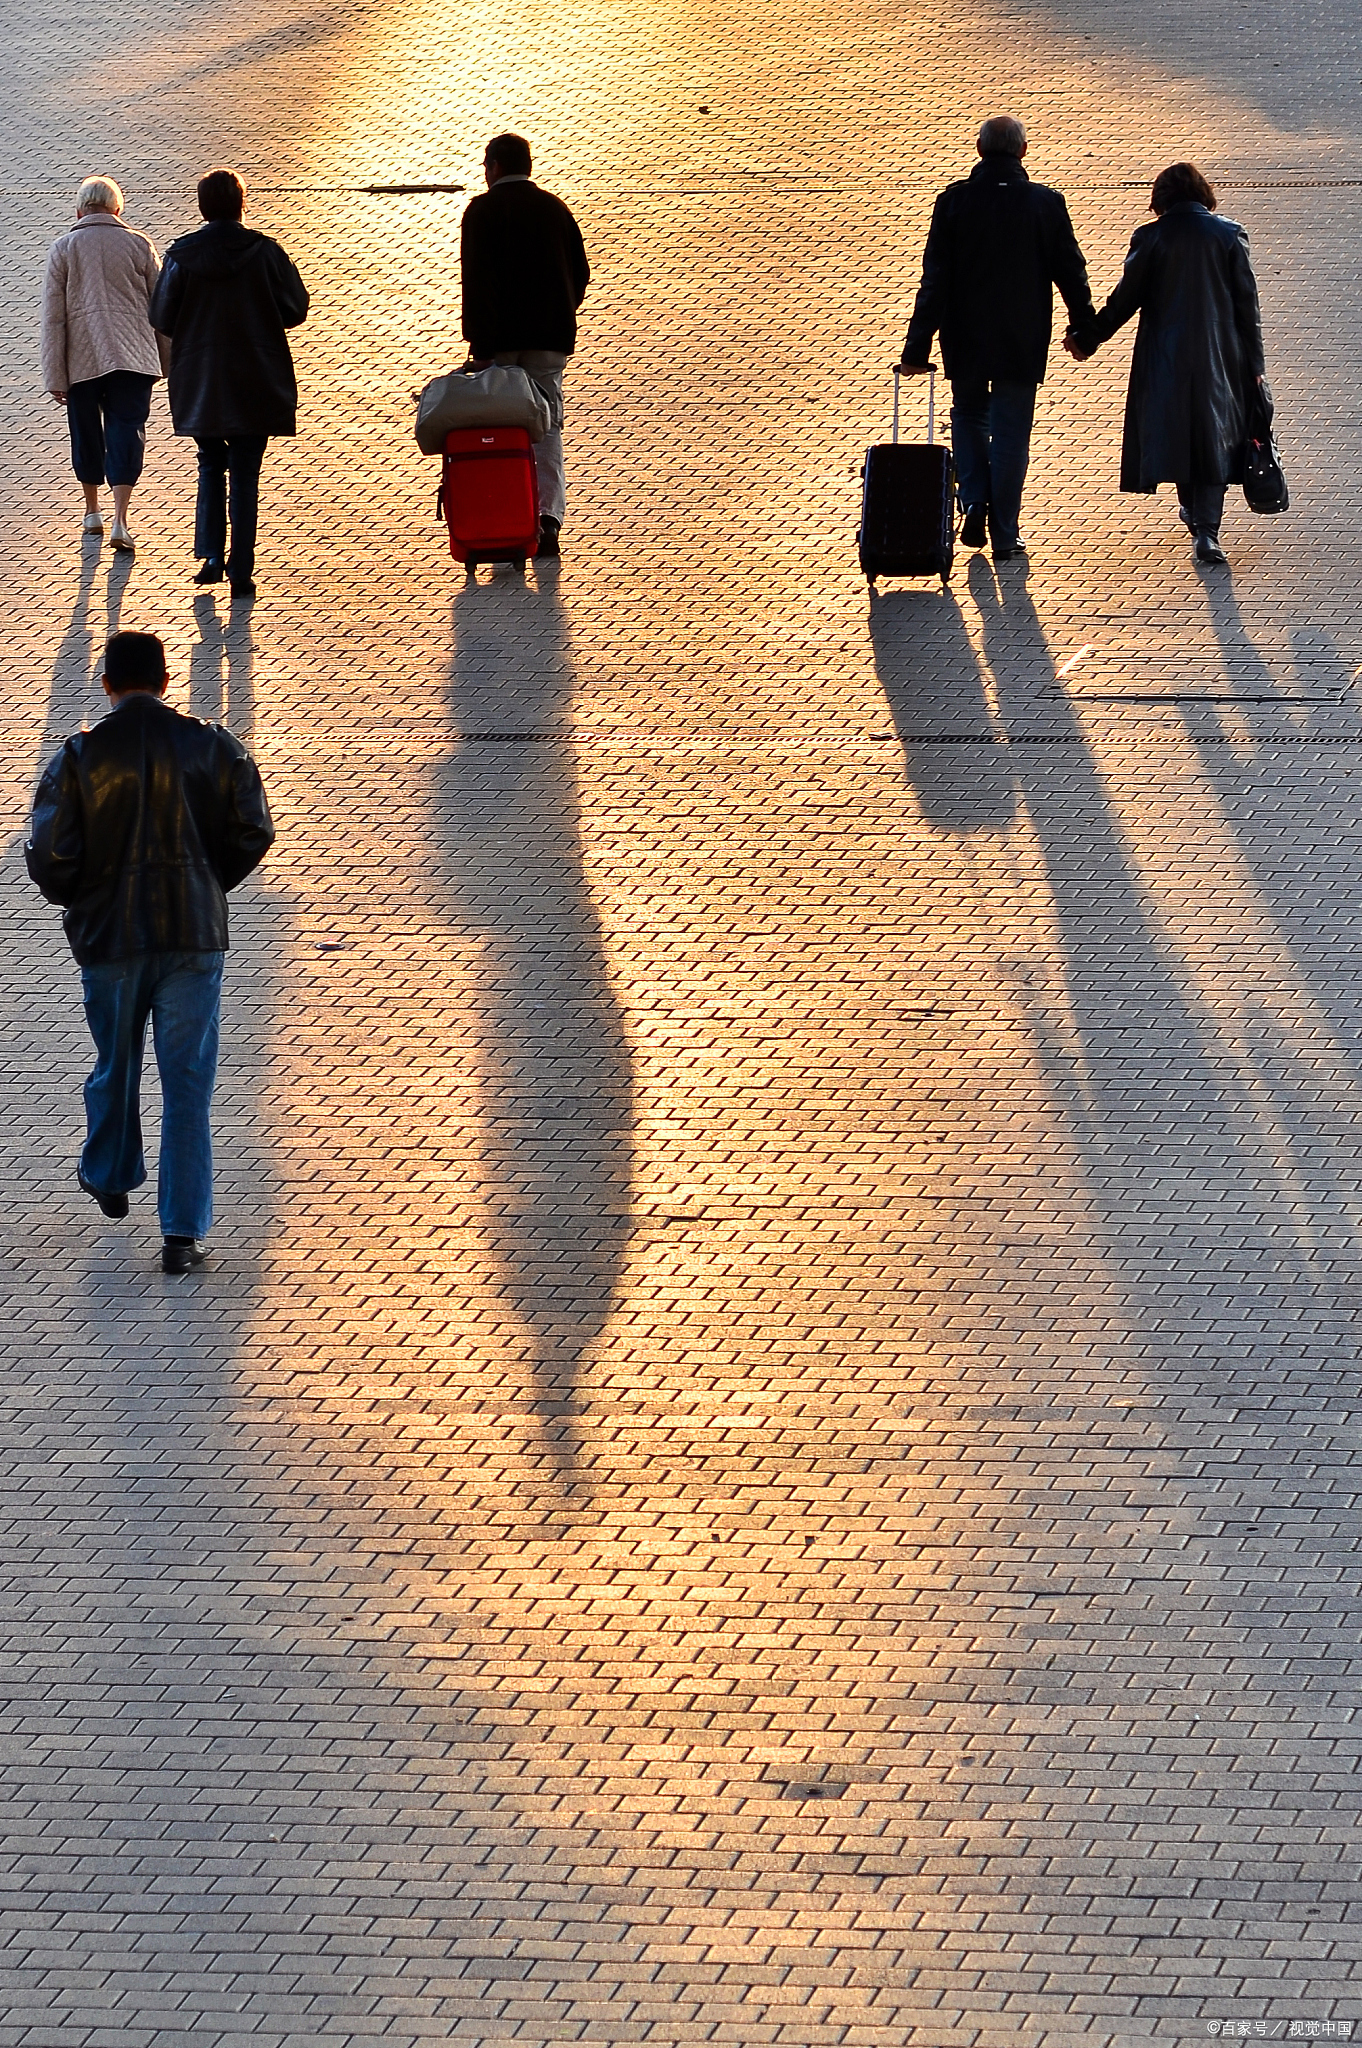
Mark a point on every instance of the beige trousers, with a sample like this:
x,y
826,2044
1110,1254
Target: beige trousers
x,y
545,366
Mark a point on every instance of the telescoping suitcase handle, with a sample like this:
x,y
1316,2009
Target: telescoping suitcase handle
x,y
931,400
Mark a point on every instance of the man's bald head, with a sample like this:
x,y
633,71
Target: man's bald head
x,y
1002,135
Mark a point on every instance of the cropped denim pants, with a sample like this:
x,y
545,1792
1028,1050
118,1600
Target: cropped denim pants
x,y
180,993
107,418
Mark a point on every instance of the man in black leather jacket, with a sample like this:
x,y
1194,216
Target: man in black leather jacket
x,y
997,248
140,827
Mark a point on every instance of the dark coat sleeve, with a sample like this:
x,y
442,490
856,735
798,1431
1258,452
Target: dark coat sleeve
x,y
248,833
1247,315
55,851
1067,267
475,263
164,307
927,307
287,288
1127,298
576,253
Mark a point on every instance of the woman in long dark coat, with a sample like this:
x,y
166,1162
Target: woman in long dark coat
x,y
1198,351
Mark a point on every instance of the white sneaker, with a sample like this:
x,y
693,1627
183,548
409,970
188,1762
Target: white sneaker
x,y
121,538
93,522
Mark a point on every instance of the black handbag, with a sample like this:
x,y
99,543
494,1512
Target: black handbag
x,y
1264,481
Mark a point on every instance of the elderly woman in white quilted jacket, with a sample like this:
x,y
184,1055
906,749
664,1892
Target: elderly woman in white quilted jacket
x,y
100,355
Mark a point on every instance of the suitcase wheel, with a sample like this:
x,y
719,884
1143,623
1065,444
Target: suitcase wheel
x,y
518,562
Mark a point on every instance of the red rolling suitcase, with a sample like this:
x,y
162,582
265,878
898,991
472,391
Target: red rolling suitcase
x,y
489,495
908,506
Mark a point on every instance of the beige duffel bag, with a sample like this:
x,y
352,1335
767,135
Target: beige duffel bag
x,y
501,396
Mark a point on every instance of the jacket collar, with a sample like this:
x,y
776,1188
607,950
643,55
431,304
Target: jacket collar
x,y
131,697
1001,170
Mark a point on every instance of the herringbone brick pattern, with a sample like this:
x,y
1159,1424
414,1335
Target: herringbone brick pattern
x,y
768,1451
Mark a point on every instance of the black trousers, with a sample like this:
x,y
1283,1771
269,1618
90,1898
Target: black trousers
x,y
236,460
1204,505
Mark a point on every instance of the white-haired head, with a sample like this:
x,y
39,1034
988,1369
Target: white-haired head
x,y
99,195
1002,135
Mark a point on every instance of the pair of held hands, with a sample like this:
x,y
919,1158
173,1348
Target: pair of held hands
x,y
1080,355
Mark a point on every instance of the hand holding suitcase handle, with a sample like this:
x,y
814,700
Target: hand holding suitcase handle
x,y
927,370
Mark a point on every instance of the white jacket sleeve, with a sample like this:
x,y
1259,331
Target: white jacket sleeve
x,y
55,376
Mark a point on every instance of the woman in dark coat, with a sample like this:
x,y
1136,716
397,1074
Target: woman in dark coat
x,y
224,299
1198,352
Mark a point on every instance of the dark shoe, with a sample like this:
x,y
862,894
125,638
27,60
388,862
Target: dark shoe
x,y
242,587
211,572
1014,552
112,1205
549,530
178,1254
1209,552
973,531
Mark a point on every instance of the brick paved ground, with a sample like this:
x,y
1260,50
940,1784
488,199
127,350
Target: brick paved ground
x,y
767,1452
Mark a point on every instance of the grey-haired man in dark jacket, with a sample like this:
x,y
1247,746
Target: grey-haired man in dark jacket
x,y
997,247
140,827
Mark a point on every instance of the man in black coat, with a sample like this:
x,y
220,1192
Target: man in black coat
x,y
225,298
525,274
140,827
997,247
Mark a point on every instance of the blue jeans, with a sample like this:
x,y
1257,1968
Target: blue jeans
x,y
238,458
991,439
180,993
108,421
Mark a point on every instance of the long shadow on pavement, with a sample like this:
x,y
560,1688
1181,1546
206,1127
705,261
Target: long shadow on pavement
x,y
1290,62
553,1059
929,672
1189,1221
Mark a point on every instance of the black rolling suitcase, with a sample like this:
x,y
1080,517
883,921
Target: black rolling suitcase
x,y
908,505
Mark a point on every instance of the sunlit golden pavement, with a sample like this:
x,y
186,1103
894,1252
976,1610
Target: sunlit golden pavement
x,y
768,1451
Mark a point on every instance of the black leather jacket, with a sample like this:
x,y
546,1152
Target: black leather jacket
x,y
141,825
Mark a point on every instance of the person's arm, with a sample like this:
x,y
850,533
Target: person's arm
x,y
55,851
917,343
1123,303
248,834
151,272
476,283
55,377
578,267
289,292
1248,316
163,308
1067,267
